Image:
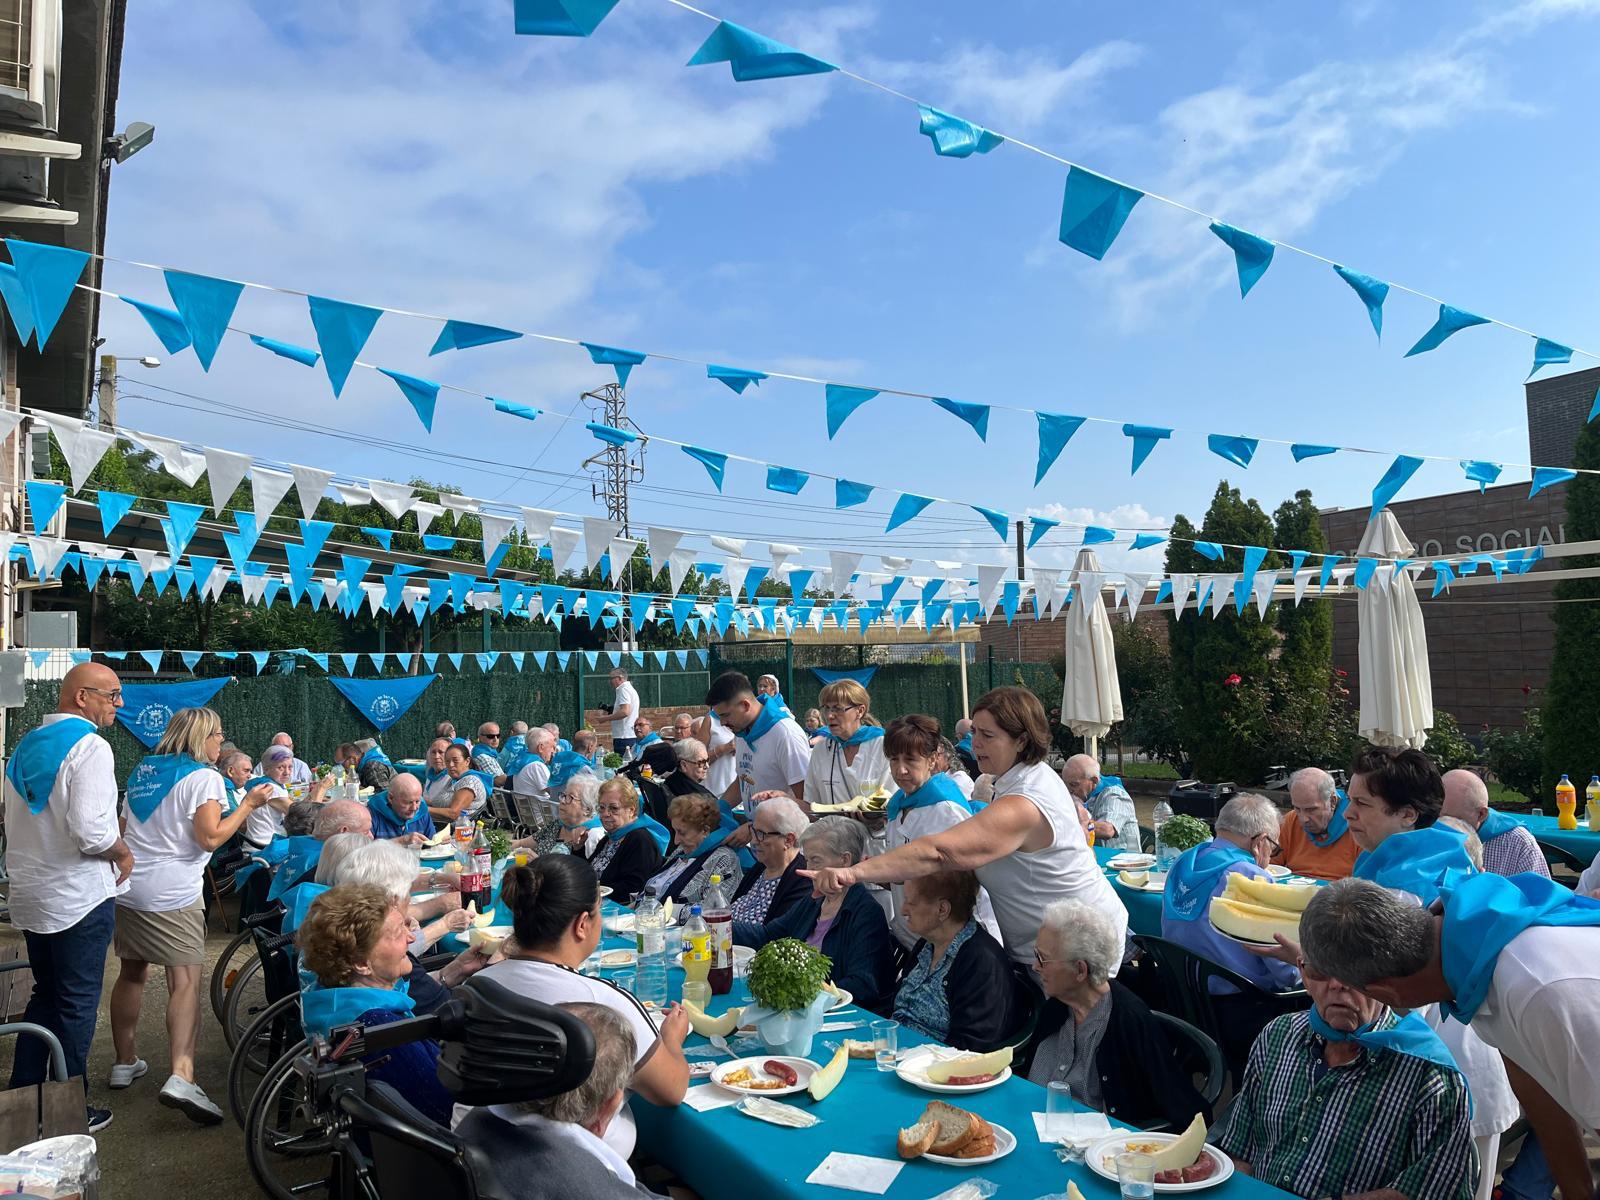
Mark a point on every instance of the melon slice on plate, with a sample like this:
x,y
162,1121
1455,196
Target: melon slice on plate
x,y
970,1065
1252,922
1290,896
1182,1150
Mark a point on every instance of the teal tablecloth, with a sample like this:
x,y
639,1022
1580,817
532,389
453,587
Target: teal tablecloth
x,y
1582,842
420,770
1144,908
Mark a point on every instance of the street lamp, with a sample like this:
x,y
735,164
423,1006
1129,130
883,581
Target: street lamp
x,y
108,385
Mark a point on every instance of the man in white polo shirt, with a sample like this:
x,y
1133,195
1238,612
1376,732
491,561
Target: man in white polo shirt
x,y
67,862
772,751
623,712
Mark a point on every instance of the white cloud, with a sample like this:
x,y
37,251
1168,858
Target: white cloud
x,y
1060,547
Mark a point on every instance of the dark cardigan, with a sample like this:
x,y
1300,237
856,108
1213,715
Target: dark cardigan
x,y
1139,1073
858,942
981,993
636,860
791,888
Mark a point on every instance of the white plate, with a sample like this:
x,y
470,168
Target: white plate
x,y
914,1070
1129,861
1004,1143
612,960
604,892
804,1069
622,923
1279,872
437,853
843,1000
1242,941
1102,1159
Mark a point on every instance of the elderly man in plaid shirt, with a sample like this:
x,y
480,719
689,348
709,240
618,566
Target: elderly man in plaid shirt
x,y
1348,1100
1508,848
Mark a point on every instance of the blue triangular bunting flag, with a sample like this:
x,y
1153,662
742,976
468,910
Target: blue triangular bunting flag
x,y
905,508
737,378
1450,321
623,360
48,274
260,658
559,18
1237,450
1055,431
463,335
1143,541
751,55
952,137
610,434
847,494
1372,292
998,521
1037,528
841,401
1482,473
384,701
1547,353
1093,210
44,501
786,479
342,330
1144,438
422,393
206,305
1544,477
16,300
165,323
190,659
1305,450
384,537
1098,535
1210,550
152,658
715,463
1252,255
1400,470
314,534
975,415
303,355
526,411
185,520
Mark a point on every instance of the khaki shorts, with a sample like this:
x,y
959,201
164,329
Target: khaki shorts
x,y
168,939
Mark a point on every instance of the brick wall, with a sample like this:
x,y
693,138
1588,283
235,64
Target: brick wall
x,y
1557,409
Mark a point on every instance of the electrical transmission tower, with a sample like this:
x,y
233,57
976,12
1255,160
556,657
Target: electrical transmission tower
x,y
615,467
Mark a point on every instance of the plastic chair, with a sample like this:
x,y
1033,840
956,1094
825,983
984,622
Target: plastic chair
x,y
410,1157
529,816
1556,856
500,809
1030,999
1147,839
1196,1050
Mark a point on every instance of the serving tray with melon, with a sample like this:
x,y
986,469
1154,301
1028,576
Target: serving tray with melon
x,y
1183,1162
1256,910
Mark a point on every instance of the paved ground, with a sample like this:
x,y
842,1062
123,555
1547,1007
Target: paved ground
x,y
147,1144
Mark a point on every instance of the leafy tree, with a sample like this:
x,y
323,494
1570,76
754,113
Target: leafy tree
x,y
1144,669
1447,745
1211,655
1516,756
1573,695
1306,628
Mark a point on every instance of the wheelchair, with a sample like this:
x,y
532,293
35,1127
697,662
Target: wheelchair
x,y
348,1139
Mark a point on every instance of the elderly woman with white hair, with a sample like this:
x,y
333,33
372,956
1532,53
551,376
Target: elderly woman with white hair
x,y
848,926
579,815
776,829
1096,1036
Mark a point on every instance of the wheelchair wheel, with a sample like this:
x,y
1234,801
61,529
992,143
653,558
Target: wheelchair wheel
x,y
247,999
273,1032
226,969
288,1154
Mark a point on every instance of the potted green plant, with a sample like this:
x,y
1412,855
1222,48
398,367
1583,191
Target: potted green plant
x,y
1184,832
785,979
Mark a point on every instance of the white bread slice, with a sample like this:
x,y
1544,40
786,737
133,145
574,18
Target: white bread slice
x,y
957,1127
915,1140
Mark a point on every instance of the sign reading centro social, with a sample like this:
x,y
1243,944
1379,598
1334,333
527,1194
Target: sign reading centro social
x,y
1492,540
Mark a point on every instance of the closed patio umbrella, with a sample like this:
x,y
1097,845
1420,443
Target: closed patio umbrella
x,y
1091,697
1396,687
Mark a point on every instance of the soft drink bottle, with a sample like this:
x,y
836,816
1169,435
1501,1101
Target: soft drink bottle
x,y
1592,796
719,919
1566,804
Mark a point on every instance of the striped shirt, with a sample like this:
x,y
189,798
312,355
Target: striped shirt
x,y
1513,853
1384,1120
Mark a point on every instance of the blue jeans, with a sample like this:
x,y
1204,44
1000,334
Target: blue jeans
x,y
1528,1177
68,971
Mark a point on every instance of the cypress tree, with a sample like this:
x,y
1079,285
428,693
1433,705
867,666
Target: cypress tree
x,y
1571,711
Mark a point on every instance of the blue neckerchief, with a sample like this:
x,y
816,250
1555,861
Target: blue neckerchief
x,y
1107,781
299,863
563,744
657,831
867,733
1193,878
430,776
730,822
251,784
515,745
519,760
649,739
386,823
323,1010
564,766
710,842
1496,824
772,711
1483,913
591,823
154,778
1337,825
232,797
1419,861
297,903
937,790
376,754
965,744
37,760
1409,1034
269,855
481,749
460,741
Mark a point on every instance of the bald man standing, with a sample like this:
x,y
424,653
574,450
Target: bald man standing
x,y
1508,848
67,862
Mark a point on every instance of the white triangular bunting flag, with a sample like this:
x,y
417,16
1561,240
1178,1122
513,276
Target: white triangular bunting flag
x,y
893,563
145,558
458,504
427,512
562,543
1138,583
267,490
1182,589
733,573
536,523
374,593
47,554
734,546
1089,585
620,554
1222,592
781,554
1262,587
226,470
844,564
678,564
83,446
253,587
10,418
1301,578
989,580
1045,581
310,485
494,532
331,589
217,582
181,464
353,493
597,535
393,498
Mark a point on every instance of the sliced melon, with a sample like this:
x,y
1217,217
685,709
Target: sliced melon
x,y
1253,923
1292,897
1182,1151
706,1025
1072,1191
827,1078
945,1070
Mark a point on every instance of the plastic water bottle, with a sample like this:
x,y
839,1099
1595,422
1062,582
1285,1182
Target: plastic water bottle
x,y
1159,816
650,940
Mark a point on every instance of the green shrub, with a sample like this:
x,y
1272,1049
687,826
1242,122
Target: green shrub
x,y
1447,745
1516,756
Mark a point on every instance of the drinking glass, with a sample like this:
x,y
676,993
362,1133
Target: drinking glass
x,y
697,992
1057,1104
885,1040
1136,1176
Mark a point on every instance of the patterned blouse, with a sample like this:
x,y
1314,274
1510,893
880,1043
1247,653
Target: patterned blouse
x,y
921,1001
753,905
722,861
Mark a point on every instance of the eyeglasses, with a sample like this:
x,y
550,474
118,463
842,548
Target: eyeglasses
x,y
115,697
1045,962
217,733
1276,848
761,835
838,710
697,762
491,737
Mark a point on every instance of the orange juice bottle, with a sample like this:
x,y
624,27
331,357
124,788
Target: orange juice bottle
x,y
1566,804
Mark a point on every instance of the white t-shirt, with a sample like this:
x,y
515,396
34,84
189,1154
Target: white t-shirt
x,y
1022,884
56,880
1494,1104
625,695
1589,881
168,863
1540,1012
831,780
266,823
719,776
779,760
963,781
533,780
437,794
561,985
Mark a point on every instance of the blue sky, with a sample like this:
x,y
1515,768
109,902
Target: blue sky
x,y
420,156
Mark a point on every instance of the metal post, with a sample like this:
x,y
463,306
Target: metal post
x,y
991,668
108,391
1022,574
616,467
966,703
577,667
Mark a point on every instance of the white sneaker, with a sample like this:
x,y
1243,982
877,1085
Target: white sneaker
x,y
122,1074
190,1100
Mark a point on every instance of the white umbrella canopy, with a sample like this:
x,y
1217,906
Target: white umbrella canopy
x,y
1396,687
1091,698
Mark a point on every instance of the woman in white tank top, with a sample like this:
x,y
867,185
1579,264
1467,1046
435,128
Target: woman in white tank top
x,y
1027,846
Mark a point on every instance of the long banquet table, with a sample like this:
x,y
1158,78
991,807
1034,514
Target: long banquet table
x,y
1582,842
